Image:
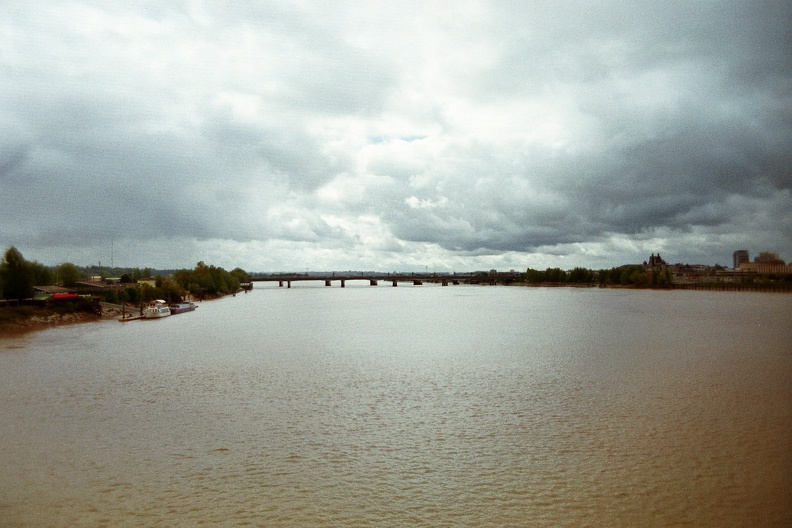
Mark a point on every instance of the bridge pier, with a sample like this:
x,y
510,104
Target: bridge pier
x,y
374,279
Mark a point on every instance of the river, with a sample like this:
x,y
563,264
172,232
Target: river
x,y
412,406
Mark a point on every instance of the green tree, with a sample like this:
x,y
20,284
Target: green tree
x,y
172,291
210,280
534,276
581,275
614,275
111,296
68,274
555,275
633,275
202,275
40,275
17,275
147,293
639,276
240,274
132,294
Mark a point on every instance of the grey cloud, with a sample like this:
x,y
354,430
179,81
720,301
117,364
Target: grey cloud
x,y
235,122
678,180
11,160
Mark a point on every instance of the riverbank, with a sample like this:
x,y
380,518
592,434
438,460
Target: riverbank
x,y
22,319
16,320
765,287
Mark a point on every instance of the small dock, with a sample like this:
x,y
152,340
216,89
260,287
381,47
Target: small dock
x,y
125,313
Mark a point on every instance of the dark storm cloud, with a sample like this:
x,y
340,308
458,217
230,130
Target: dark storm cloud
x,y
679,126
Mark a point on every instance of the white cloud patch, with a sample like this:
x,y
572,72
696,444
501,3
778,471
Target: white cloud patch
x,y
417,203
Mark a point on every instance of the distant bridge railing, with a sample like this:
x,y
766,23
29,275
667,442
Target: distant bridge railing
x,y
374,279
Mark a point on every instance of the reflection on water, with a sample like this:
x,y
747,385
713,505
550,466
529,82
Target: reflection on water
x,y
414,406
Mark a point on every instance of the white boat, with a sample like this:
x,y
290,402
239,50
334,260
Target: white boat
x,y
177,308
156,309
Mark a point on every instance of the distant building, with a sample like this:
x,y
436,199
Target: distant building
x,y
655,261
741,256
767,269
768,257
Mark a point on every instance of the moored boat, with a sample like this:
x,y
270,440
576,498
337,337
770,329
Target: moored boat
x,y
177,308
156,309
64,296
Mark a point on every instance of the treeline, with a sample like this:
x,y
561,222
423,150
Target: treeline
x,y
577,275
18,277
623,275
635,275
201,282
126,274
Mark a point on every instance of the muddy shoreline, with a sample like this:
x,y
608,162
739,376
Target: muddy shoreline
x,y
16,321
42,319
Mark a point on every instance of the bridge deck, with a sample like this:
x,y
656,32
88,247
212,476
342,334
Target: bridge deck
x,y
375,278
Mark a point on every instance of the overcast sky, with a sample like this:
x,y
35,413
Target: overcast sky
x,y
395,135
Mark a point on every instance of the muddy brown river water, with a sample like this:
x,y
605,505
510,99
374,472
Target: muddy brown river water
x,y
411,406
